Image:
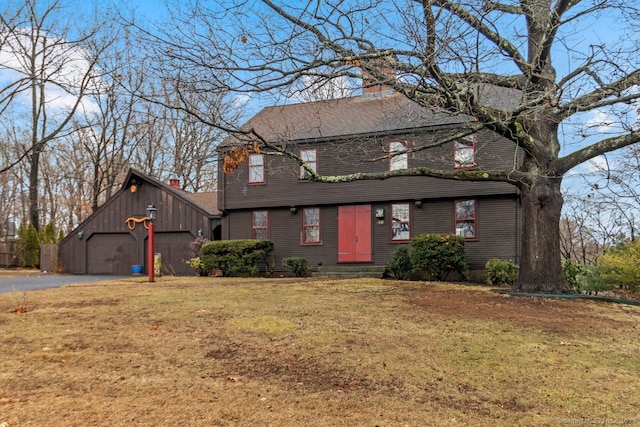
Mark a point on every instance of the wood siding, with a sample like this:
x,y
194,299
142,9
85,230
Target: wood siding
x,y
283,188
497,230
109,246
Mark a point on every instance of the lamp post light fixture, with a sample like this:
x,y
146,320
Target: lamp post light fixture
x,y
152,213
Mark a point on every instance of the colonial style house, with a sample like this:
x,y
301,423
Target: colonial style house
x,y
114,238
363,222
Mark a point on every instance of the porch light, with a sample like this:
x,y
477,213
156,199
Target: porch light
x,y
152,212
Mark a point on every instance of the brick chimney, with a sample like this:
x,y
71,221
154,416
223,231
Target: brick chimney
x,y
372,85
175,183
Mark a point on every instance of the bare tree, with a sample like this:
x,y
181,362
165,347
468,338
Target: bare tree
x,y
615,185
447,55
312,88
583,234
53,65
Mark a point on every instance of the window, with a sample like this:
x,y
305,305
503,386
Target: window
x,y
466,218
310,225
260,225
310,157
464,152
398,161
400,229
256,169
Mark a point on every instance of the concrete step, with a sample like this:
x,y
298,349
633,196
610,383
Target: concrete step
x,y
349,271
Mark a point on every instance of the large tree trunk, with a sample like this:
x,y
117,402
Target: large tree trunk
x,y
540,265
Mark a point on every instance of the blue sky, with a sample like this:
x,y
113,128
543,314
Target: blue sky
x,y
156,10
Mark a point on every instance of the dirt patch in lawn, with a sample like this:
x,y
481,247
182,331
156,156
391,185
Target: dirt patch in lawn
x,y
546,314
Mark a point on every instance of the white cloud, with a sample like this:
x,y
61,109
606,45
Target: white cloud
x,y
64,69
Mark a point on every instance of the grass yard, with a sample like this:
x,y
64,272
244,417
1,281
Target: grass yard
x,y
309,352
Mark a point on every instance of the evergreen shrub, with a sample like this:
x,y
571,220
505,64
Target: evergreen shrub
x,y
501,272
399,266
573,271
590,280
438,255
236,257
298,265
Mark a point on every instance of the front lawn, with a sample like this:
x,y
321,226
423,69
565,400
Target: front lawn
x,y
310,352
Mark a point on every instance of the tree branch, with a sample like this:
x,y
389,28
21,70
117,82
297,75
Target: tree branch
x,y
563,164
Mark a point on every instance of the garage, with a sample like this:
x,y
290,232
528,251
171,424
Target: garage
x,y
115,236
111,254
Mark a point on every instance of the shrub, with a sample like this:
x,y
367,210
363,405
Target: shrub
x,y
195,247
438,255
297,265
197,265
620,266
501,272
591,280
399,266
236,257
572,271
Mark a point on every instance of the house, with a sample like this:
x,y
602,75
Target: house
x,y
361,223
114,237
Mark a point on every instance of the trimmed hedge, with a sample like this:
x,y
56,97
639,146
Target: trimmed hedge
x,y
236,257
438,255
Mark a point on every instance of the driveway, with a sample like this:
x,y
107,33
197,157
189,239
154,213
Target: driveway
x,y
45,281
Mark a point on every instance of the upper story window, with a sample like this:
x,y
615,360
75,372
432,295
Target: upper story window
x,y
400,225
466,218
465,152
256,169
398,158
310,157
311,225
260,226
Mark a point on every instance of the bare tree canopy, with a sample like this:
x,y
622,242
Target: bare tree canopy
x,y
51,64
564,70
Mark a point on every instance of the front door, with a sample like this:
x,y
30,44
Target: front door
x,y
354,233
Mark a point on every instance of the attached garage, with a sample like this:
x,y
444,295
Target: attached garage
x,y
114,238
170,246
110,253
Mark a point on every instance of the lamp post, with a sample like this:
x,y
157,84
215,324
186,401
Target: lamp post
x,y
152,213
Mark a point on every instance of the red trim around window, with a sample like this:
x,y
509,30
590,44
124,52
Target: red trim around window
x,y
308,224
399,158
400,227
466,225
313,164
260,224
467,143
255,167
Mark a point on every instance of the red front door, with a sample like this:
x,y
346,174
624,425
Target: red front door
x,y
354,233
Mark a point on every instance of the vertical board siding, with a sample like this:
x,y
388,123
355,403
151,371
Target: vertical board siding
x,y
177,224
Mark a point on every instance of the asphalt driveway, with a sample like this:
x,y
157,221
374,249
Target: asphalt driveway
x,y
45,281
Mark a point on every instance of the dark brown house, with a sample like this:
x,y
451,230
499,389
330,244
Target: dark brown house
x,y
363,222
114,238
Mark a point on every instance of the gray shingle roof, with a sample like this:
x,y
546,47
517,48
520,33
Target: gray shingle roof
x,y
359,115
